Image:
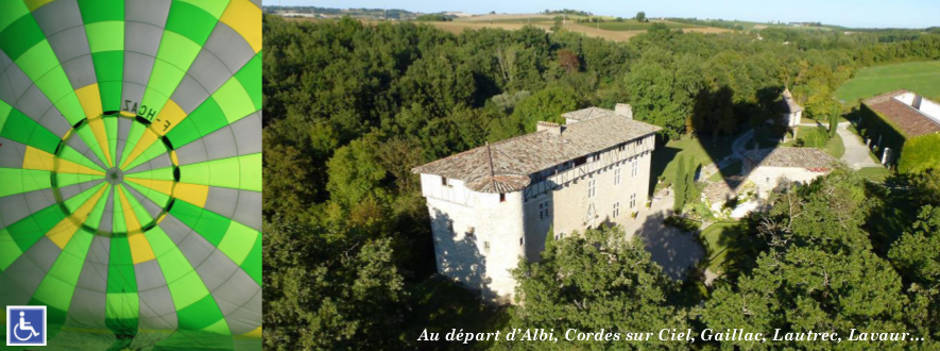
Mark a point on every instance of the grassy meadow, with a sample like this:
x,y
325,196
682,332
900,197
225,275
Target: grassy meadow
x,y
922,77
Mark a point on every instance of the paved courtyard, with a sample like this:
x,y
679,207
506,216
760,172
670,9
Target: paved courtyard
x,y
675,250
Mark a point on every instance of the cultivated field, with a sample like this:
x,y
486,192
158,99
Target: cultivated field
x,y
920,77
611,30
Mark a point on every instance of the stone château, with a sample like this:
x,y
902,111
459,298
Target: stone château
x,y
494,205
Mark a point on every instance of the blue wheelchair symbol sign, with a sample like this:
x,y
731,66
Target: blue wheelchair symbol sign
x,y
26,325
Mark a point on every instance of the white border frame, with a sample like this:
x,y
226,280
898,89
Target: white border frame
x,y
45,321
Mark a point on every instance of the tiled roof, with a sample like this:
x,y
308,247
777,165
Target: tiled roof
x,y
505,166
910,121
586,113
804,157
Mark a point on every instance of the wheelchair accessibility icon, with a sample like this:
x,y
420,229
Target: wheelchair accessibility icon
x,y
26,325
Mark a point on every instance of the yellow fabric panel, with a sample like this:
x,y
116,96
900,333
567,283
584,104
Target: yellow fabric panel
x,y
35,4
141,251
66,228
101,135
90,98
41,160
245,18
130,218
169,117
195,194
163,186
147,139
254,333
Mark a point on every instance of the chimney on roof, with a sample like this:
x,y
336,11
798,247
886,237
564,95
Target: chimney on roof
x,y
624,110
553,128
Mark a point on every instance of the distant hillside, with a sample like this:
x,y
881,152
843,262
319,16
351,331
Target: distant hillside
x,y
327,12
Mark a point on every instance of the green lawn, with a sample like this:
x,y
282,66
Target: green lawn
x,y
819,138
875,174
920,77
701,150
716,238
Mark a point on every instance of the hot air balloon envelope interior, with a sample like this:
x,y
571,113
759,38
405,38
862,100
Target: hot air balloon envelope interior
x,y
130,171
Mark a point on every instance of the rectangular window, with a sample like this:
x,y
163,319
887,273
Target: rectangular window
x,y
443,180
470,232
632,201
592,189
636,166
486,246
617,176
521,241
616,209
502,197
545,211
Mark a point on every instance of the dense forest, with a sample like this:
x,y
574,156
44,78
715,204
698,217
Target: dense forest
x,y
350,108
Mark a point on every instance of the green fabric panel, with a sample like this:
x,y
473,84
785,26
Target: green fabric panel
x,y
205,119
250,78
252,264
188,289
10,11
24,130
109,68
121,276
165,173
88,137
238,242
121,311
19,36
9,250
158,198
66,179
172,262
241,172
210,225
78,200
200,314
137,130
184,133
118,224
54,316
190,21
110,95
153,151
214,8
58,285
111,129
68,153
42,66
4,112
94,218
16,181
143,217
101,10
27,231
105,36
234,100
220,327
250,166
174,57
